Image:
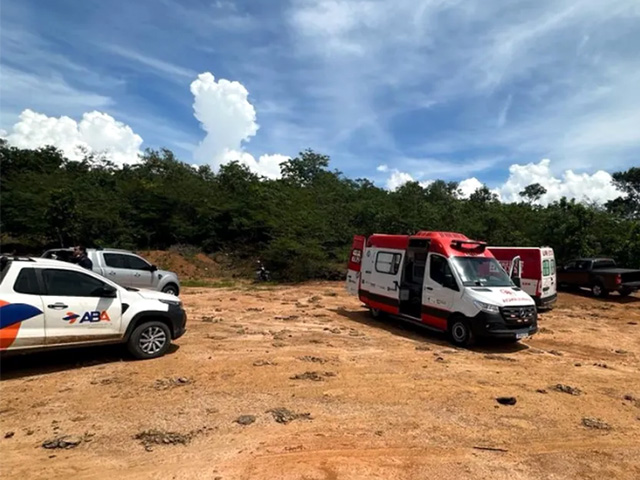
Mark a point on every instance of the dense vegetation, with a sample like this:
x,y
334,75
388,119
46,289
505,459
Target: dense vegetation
x,y
300,225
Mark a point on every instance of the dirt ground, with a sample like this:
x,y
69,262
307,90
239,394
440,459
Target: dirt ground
x,y
366,399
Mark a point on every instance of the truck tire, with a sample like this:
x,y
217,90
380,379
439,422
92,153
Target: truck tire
x,y
171,289
598,290
149,340
460,332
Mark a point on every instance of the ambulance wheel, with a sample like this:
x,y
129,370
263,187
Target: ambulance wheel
x,y
149,340
460,332
376,313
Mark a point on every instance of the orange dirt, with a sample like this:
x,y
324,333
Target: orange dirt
x,y
188,268
386,401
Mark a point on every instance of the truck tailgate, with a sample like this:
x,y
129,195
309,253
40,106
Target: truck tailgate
x,y
630,277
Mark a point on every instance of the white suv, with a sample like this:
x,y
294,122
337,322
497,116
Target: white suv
x,y
49,303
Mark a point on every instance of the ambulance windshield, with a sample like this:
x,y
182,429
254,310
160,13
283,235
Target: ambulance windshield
x,y
481,272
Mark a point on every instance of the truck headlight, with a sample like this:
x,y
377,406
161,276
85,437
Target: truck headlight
x,y
487,307
175,303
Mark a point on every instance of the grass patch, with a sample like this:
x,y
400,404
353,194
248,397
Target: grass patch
x,y
262,286
209,283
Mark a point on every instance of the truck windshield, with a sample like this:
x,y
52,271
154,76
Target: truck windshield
x,y
481,272
604,264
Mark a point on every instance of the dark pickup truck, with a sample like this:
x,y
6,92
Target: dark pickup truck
x,y
600,275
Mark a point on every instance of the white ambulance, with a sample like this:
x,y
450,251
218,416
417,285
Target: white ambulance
x,y
442,280
537,271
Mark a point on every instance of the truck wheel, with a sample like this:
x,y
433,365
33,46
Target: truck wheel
x,y
149,340
598,290
460,332
171,289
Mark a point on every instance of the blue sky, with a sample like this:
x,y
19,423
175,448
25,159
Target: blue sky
x,y
431,89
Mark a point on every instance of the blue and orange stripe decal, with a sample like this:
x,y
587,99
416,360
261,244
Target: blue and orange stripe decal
x,y
11,317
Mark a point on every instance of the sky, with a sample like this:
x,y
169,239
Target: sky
x,y
503,93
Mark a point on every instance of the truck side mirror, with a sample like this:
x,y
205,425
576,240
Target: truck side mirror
x,y
153,268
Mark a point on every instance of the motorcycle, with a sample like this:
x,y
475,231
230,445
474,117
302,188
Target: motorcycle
x,y
262,274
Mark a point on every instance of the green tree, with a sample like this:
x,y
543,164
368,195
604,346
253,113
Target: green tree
x,y
533,193
627,205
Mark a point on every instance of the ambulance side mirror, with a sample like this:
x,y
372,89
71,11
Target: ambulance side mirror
x,y
517,281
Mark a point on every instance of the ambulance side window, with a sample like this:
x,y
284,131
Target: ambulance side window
x,y
388,262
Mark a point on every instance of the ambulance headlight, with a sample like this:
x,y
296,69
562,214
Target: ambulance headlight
x,y
487,307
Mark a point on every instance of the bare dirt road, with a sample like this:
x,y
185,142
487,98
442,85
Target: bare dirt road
x,y
364,399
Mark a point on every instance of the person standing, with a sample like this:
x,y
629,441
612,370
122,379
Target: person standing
x,y
80,257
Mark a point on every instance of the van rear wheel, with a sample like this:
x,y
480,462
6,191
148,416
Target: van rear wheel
x,y
460,332
376,313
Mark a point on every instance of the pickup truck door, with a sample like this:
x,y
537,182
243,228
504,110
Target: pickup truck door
x,y
570,274
21,312
141,272
76,310
584,273
115,267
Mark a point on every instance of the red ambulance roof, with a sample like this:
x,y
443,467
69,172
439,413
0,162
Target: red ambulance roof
x,y
452,244
397,242
449,244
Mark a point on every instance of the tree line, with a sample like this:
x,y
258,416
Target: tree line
x,y
300,225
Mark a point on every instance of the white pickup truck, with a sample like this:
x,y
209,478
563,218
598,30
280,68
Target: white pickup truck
x,y
49,303
125,268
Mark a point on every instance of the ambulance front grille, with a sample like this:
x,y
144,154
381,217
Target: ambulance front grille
x,y
518,316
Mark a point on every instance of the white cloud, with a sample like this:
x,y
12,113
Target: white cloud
x,y
225,114
96,132
584,187
397,179
229,120
469,186
267,165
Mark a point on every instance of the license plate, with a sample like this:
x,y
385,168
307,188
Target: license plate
x,y
520,336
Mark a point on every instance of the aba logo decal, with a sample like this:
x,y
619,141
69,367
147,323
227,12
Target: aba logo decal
x,y
94,316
